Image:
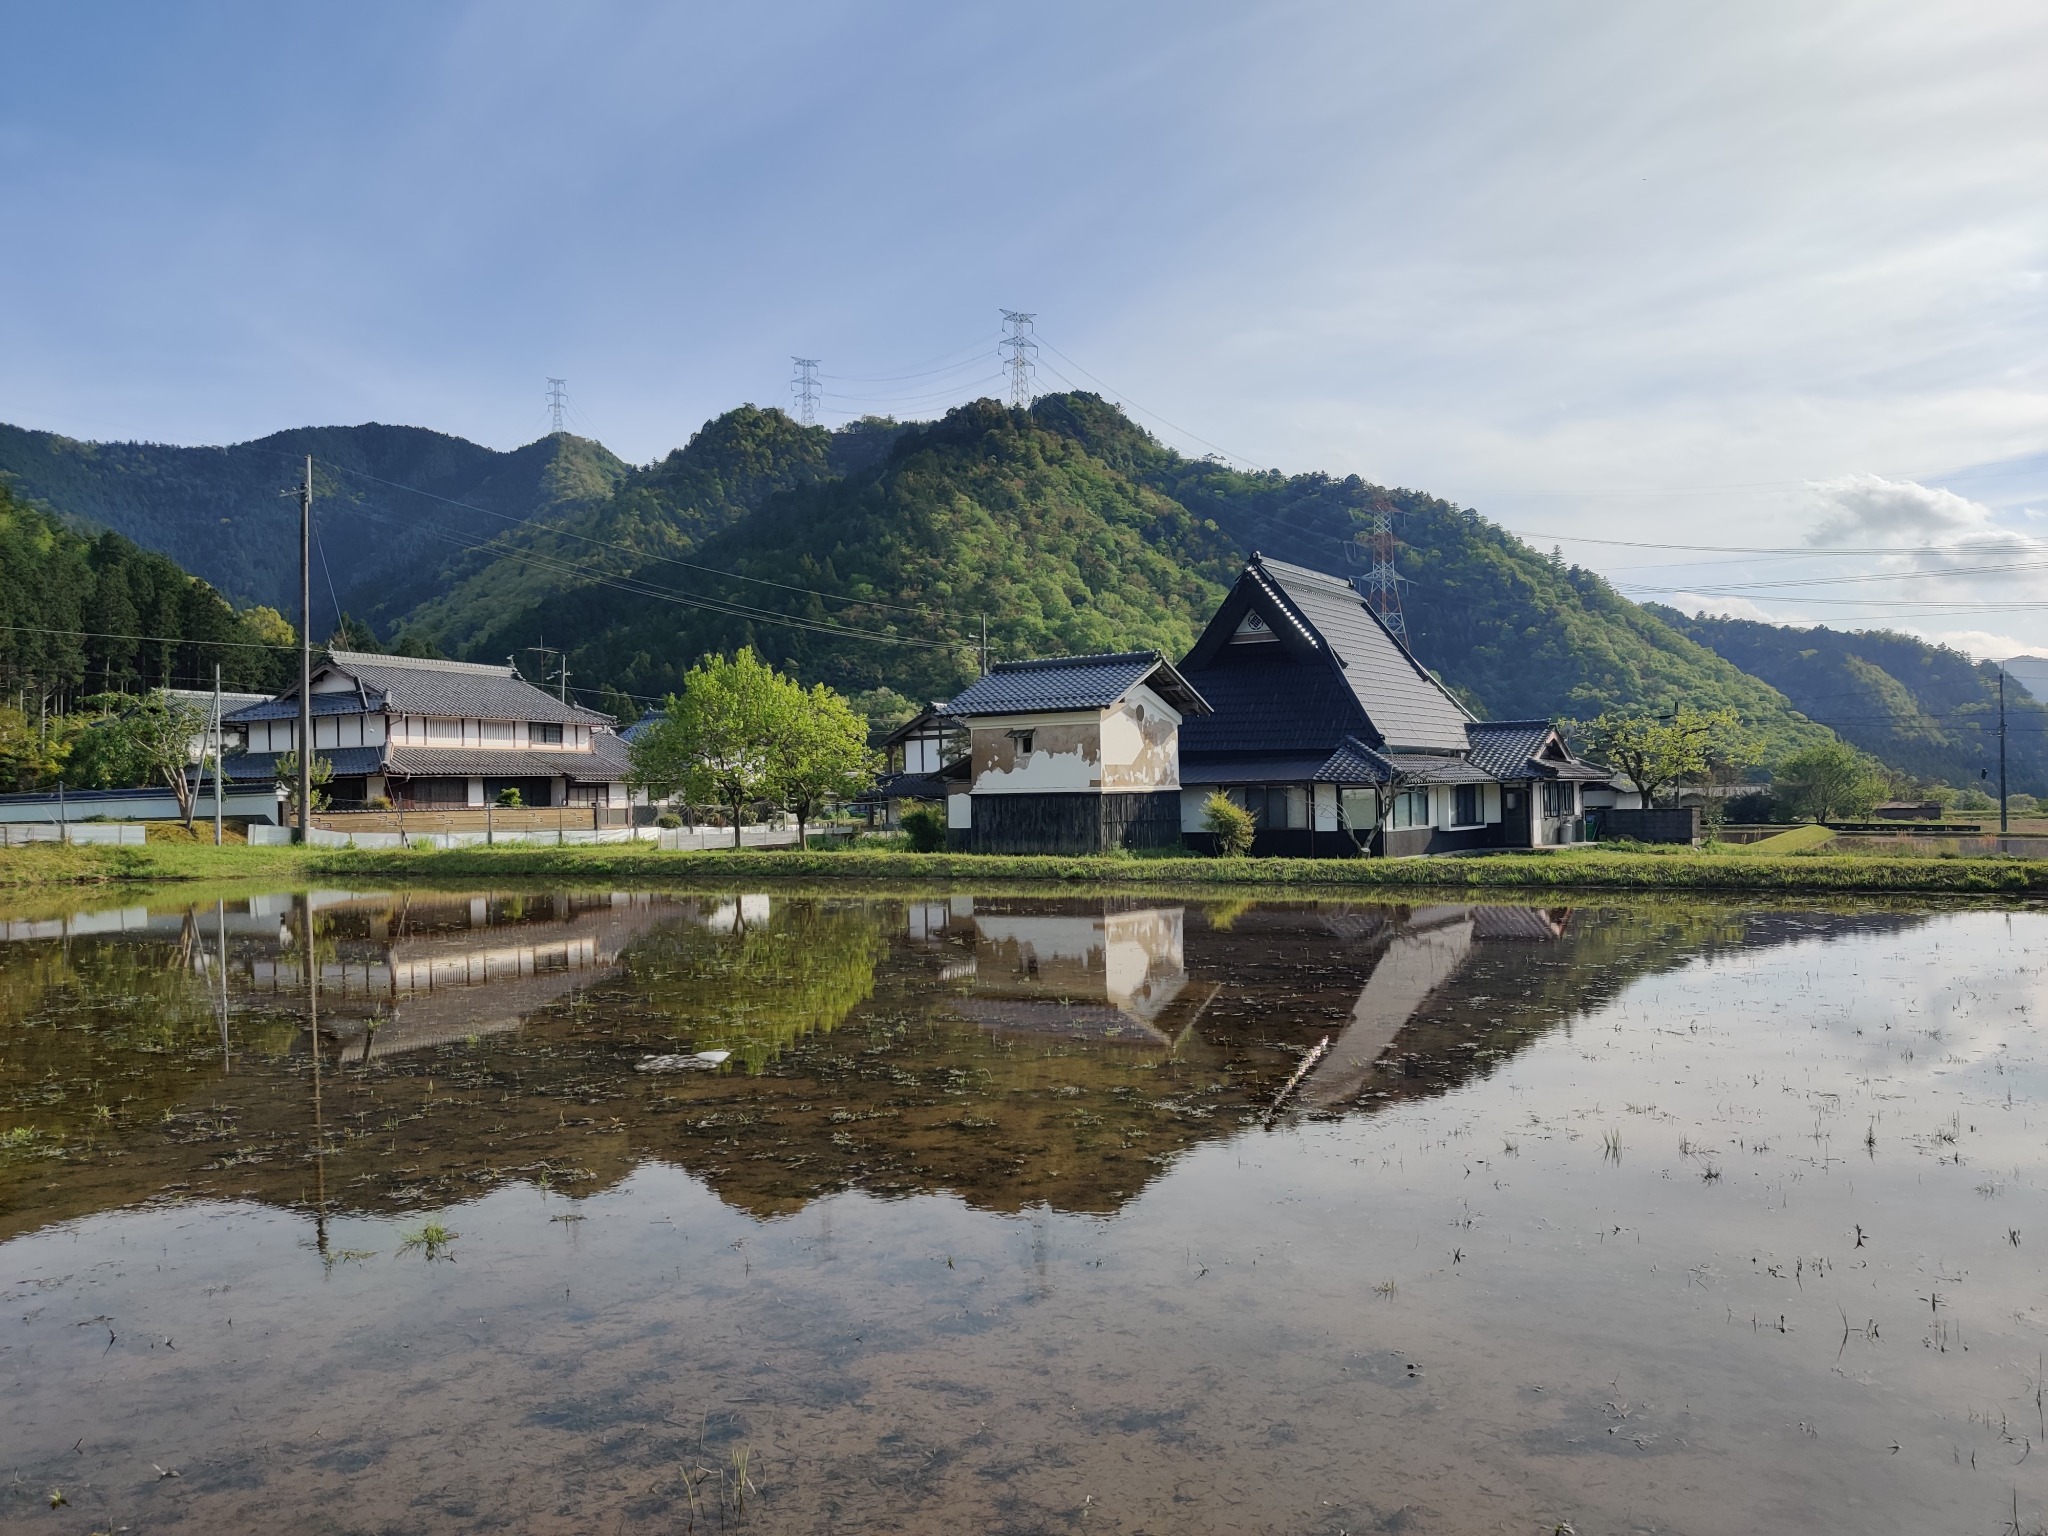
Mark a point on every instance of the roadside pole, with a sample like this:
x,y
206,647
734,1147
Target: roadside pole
x,y
218,787
305,785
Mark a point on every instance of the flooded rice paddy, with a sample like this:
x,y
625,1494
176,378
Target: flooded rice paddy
x,y
1019,1215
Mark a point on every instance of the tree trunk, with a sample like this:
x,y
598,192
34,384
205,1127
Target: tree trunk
x,y
735,809
803,837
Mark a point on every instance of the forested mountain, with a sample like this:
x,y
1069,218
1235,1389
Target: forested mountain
x,y
1924,709
385,504
870,557
91,614
1069,528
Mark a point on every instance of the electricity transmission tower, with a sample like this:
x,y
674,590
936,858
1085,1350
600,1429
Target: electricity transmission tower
x,y
804,385
1020,355
558,402
1382,583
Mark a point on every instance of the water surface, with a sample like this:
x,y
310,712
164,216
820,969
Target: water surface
x,y
1019,1215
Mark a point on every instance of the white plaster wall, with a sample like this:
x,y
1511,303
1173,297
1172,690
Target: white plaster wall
x,y
959,811
333,682
1489,803
1065,758
1192,798
375,731
476,791
1141,743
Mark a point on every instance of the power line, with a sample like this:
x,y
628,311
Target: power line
x,y
558,402
1021,351
805,387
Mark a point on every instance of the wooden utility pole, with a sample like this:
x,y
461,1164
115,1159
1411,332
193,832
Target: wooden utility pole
x,y
2003,825
218,767
305,785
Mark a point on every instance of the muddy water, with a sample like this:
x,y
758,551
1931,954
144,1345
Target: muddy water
x,y
1019,1215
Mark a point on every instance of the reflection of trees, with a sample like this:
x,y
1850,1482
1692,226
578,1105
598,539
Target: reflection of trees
x,y
119,1006
761,984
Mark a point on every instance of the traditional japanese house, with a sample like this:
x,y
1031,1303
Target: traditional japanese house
x,y
1338,741
437,733
1073,754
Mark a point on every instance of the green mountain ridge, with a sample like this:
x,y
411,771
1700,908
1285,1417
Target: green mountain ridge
x,y
870,557
384,545
1924,709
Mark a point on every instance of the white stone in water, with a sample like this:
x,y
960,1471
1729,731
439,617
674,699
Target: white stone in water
x,y
703,1061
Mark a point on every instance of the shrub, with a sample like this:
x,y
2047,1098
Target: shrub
x,y
2022,805
1230,824
668,821
926,827
1974,801
510,799
377,803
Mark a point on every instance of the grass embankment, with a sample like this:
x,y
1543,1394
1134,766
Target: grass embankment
x,y
1561,870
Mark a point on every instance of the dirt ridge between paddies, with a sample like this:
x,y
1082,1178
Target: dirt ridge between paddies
x,y
1576,869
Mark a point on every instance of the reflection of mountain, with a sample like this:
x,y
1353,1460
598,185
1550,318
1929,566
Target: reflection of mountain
x,y
1013,1052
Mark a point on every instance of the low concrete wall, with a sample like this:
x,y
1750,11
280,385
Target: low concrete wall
x,y
16,834
1676,824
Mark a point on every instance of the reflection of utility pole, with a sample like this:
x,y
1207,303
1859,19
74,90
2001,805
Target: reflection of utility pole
x,y
220,922
311,962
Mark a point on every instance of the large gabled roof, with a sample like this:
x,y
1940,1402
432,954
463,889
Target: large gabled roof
x,y
415,685
1315,615
1060,683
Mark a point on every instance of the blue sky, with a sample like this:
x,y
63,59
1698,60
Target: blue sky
x,y
1741,275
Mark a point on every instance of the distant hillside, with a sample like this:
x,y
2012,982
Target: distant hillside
x,y
986,513
217,511
74,611
869,556
1070,528
1924,709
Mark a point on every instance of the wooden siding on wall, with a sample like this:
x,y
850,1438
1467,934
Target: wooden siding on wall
x,y
1074,824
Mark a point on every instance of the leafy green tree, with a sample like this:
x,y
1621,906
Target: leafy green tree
x,y
1657,751
1230,824
820,753
1830,782
718,741
319,776
141,739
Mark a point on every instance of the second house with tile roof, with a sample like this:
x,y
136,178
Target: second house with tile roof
x,y
422,733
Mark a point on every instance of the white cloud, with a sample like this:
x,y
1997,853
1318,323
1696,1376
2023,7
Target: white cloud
x,y
1869,509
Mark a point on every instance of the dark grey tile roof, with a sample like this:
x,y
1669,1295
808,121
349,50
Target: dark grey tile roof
x,y
1058,683
1408,707
1355,763
908,786
349,762
411,685
607,761
1504,747
1428,768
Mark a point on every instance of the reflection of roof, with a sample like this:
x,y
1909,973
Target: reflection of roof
x,y
413,685
1057,683
1525,924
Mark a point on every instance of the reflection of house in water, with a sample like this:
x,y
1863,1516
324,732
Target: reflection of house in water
x,y
1424,951
1084,971
399,974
